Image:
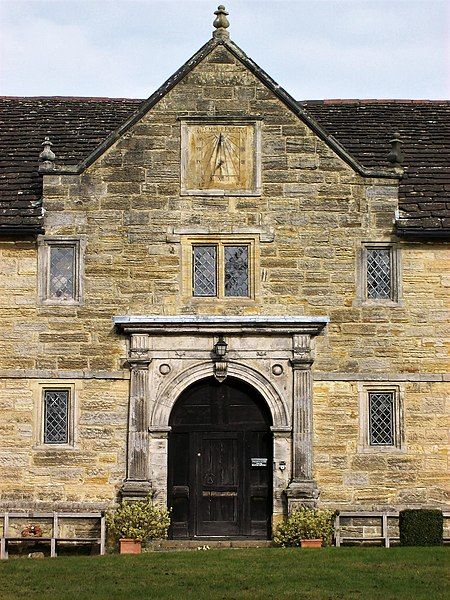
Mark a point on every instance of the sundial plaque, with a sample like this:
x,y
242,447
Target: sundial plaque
x,y
220,158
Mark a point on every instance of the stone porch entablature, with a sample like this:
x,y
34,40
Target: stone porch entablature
x,y
273,354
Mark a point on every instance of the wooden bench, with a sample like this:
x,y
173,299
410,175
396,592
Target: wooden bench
x,y
383,517
55,538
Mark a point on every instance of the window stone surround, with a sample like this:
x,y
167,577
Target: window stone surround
x,y
397,389
45,243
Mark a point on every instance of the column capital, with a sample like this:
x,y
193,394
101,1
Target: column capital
x,y
302,353
139,364
281,432
159,431
139,349
302,362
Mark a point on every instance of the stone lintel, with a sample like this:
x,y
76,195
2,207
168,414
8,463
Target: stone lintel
x,y
216,324
265,234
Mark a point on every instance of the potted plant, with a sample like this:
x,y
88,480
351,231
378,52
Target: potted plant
x,y
134,522
306,527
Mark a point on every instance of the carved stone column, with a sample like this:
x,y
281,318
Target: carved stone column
x,y
137,484
302,489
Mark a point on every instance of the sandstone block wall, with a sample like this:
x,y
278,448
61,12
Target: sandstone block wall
x,y
86,474
308,226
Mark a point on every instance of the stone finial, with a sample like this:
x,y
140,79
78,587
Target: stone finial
x,y
395,155
47,156
221,22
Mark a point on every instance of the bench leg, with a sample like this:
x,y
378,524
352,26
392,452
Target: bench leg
x,y
337,531
384,529
53,547
102,534
3,549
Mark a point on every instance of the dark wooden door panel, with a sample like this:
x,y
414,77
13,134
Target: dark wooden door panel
x,y
213,488
218,484
219,459
259,483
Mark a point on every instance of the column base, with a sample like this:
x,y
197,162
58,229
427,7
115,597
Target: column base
x,y
301,493
135,490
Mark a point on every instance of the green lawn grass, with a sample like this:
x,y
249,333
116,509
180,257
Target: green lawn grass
x,y
328,573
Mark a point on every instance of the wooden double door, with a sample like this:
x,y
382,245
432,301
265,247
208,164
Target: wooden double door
x,y
220,462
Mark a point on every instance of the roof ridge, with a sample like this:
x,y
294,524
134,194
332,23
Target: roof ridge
x,y
85,98
322,101
373,101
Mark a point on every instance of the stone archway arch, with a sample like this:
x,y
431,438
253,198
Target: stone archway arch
x,y
168,395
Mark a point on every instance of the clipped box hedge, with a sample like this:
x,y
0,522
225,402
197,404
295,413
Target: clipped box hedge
x,y
421,527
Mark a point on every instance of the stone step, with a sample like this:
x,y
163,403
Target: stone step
x,y
203,544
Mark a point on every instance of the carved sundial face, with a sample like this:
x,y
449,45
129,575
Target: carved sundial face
x,y
222,161
219,158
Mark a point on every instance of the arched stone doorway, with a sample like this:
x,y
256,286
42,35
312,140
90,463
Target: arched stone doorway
x,y
220,461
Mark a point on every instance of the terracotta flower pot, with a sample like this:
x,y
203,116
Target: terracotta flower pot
x,y
130,546
311,543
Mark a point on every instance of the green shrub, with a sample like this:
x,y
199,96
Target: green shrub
x,y
139,521
305,523
421,527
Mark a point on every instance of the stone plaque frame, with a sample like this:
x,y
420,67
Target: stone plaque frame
x,y
230,136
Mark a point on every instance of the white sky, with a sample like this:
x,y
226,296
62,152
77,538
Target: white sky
x,y
313,48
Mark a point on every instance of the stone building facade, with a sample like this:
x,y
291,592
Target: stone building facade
x,y
218,245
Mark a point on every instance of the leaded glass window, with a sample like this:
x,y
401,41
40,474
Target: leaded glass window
x,y
62,272
221,270
205,271
381,418
56,416
61,269
379,273
236,270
